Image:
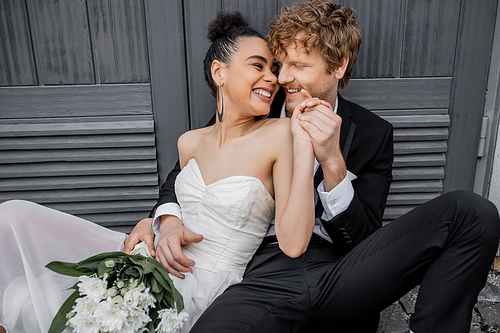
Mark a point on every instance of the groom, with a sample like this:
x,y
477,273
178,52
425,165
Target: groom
x,y
352,268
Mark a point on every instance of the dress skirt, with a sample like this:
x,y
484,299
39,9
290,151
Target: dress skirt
x,y
31,236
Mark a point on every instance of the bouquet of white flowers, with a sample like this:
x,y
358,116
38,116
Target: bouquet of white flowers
x,y
118,292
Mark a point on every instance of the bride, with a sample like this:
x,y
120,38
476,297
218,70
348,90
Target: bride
x,y
235,176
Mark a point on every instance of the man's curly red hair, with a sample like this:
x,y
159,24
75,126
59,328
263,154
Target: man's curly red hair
x,y
331,29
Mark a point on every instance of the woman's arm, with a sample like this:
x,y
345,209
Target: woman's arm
x,y
294,188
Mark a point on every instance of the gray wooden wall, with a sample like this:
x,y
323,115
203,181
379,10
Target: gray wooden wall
x,y
89,89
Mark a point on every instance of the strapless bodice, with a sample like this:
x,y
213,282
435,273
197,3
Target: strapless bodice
x,y
232,214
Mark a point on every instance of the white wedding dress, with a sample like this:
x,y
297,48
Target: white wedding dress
x,y
232,214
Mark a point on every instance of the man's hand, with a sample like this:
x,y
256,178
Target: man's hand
x,y
142,233
173,234
323,126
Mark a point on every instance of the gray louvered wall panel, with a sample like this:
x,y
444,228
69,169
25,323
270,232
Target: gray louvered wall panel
x,y
421,129
102,168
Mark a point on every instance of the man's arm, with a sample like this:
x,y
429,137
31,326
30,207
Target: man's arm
x,y
364,214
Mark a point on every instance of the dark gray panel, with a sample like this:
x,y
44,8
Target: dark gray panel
x,y
17,65
430,35
75,101
197,17
475,39
168,78
118,31
400,94
62,41
259,13
379,20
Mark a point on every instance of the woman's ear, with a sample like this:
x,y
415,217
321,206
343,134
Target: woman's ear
x,y
218,72
339,72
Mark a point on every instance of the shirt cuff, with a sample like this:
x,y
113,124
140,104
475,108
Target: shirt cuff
x,y
169,208
339,198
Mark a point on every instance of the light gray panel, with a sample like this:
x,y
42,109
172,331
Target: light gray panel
x,y
79,127
77,182
197,17
105,207
410,198
259,13
393,212
420,147
411,173
57,169
399,94
379,20
169,91
76,141
75,101
419,121
118,219
430,35
118,31
409,186
82,195
416,160
17,64
76,155
62,41
420,134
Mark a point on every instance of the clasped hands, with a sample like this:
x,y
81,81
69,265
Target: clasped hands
x,y
314,123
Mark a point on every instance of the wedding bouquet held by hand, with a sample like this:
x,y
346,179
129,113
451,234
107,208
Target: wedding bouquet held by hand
x,y
118,292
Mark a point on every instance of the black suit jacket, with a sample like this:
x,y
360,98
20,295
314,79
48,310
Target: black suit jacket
x,y
367,146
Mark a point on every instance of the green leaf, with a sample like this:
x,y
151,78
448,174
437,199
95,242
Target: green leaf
x,y
64,268
59,322
147,266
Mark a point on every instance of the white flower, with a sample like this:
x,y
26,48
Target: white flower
x,y
111,292
137,319
170,321
85,305
93,287
141,249
110,314
84,322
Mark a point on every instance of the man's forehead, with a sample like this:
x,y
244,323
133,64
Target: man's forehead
x,y
294,49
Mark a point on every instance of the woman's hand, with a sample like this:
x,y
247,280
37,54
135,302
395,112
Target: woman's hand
x,y
143,232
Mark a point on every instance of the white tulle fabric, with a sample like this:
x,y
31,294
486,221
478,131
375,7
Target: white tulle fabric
x,y
31,236
233,215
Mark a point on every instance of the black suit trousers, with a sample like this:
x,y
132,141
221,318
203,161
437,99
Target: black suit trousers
x,y
446,245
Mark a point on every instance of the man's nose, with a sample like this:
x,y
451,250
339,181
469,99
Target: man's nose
x,y
284,76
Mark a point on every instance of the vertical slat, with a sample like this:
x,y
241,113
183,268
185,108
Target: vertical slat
x,y
167,61
17,65
260,22
119,34
470,75
197,17
430,37
62,41
379,27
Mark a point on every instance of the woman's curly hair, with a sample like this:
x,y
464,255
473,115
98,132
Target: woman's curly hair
x,y
331,29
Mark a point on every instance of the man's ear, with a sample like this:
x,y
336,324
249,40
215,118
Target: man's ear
x,y
339,72
218,70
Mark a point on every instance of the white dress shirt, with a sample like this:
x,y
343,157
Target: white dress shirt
x,y
334,202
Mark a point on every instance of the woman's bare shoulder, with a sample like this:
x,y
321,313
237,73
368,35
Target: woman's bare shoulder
x,y
189,142
278,128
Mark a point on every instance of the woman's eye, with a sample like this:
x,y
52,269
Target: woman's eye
x,y
259,66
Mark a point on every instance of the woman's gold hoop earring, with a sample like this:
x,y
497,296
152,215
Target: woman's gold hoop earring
x,y
221,113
